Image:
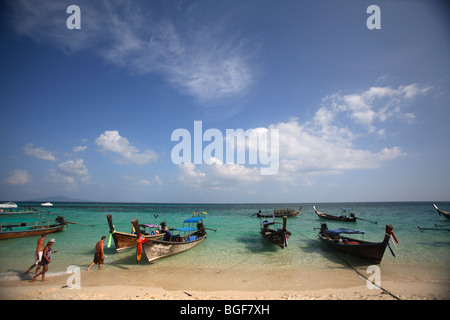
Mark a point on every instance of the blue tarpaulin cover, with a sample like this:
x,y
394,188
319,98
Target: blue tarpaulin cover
x,y
193,219
336,232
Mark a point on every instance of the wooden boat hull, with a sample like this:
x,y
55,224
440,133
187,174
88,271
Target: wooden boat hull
x,y
278,238
279,215
372,251
260,215
157,249
335,218
32,231
441,212
124,240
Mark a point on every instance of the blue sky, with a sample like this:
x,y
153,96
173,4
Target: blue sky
x,y
362,115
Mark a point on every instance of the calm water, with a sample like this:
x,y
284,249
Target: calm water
x,y
237,240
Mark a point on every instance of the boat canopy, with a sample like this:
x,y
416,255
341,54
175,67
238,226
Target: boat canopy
x,y
152,226
336,232
193,219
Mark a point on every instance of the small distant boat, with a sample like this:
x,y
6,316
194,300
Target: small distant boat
x,y
46,204
124,240
8,205
343,218
278,237
25,227
180,240
442,212
372,251
279,213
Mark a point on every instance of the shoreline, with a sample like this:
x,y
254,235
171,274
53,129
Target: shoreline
x,y
197,283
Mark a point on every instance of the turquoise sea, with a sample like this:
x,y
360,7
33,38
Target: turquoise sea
x,y
237,240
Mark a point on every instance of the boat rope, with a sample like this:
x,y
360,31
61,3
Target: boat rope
x,y
353,268
231,266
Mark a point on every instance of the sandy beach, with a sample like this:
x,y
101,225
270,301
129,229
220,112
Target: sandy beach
x,y
110,283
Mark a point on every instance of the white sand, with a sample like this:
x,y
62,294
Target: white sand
x,y
405,282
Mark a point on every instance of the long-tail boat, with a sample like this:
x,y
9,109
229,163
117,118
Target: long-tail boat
x,y
327,216
125,240
278,237
25,227
442,212
176,240
15,211
279,213
372,251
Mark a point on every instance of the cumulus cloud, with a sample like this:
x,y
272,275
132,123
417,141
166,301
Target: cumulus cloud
x,y
74,167
111,141
217,175
305,150
370,107
324,145
18,177
39,153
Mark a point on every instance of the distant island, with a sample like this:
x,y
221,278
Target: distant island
x,y
58,199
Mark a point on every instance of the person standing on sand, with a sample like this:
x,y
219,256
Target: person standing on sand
x,y
45,260
99,254
39,251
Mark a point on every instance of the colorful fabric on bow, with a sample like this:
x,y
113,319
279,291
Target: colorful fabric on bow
x,y
394,239
110,237
140,241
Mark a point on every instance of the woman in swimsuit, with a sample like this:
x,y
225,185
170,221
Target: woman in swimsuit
x,y
45,260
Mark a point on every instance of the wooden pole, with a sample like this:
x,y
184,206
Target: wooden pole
x,y
284,222
135,224
111,226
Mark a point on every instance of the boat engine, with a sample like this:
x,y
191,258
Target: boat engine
x,y
60,219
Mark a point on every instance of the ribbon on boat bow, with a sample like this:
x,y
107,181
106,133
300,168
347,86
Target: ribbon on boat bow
x,y
110,237
140,241
394,240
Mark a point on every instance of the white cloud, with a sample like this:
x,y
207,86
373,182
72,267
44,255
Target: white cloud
x,y
193,52
39,153
303,149
217,175
138,181
18,177
157,181
67,183
79,148
58,178
323,146
74,167
373,106
111,141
